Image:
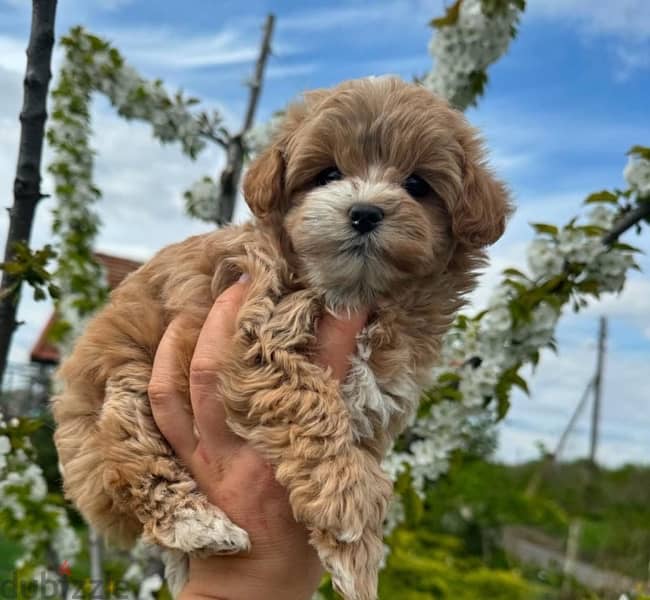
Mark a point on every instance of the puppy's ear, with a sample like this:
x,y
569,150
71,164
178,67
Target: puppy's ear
x,y
480,214
264,183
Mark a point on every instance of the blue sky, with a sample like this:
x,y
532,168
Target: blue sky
x,y
560,111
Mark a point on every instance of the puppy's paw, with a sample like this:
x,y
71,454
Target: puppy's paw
x,y
202,531
354,567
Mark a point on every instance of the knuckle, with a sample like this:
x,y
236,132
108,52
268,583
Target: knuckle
x,y
203,372
159,392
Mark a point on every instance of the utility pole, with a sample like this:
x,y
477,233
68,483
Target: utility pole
x,y
549,461
593,386
598,390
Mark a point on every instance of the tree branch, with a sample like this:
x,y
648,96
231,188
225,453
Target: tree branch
x,y
636,215
258,77
27,185
231,174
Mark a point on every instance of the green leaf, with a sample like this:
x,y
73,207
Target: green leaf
x,y
640,151
451,393
520,382
514,273
545,228
54,291
449,377
602,197
517,285
413,507
534,358
625,247
588,286
592,230
503,406
450,17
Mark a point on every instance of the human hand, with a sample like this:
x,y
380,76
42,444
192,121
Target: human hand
x,y
235,477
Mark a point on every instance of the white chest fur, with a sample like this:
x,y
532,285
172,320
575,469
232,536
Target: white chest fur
x,y
374,399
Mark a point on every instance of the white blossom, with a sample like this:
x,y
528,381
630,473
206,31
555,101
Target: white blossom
x,y
543,258
90,66
395,515
23,503
149,586
466,48
483,349
637,175
203,199
259,137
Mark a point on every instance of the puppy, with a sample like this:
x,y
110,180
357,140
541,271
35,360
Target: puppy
x,y
372,194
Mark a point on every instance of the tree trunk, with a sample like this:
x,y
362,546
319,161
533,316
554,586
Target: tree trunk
x,y
27,185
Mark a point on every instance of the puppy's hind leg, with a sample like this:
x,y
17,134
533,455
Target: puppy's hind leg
x,y
143,475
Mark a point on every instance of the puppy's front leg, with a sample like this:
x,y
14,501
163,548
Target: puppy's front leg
x,y
284,404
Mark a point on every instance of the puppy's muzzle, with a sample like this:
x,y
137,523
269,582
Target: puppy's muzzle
x,y
365,217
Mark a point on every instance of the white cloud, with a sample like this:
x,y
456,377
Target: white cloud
x,y
168,48
285,71
416,12
511,132
325,19
621,18
12,54
625,22
631,306
556,389
141,209
632,59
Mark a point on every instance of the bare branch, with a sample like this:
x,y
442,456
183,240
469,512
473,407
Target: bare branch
x,y
27,185
213,137
258,77
231,174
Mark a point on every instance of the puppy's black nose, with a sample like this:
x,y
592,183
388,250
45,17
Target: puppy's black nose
x,y
365,217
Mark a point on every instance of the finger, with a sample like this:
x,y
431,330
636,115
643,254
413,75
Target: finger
x,y
337,341
211,350
168,404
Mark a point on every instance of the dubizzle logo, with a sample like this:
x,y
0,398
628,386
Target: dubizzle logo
x,y
53,587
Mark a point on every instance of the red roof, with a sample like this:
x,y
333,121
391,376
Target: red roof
x,y
44,351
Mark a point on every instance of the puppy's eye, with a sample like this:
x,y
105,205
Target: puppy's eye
x,y
328,175
416,186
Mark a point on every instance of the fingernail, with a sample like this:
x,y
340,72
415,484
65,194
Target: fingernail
x,y
244,278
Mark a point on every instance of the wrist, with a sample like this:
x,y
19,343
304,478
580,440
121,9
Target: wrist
x,y
239,577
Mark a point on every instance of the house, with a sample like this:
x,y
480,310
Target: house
x,y
27,386
46,353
